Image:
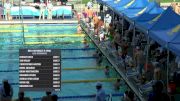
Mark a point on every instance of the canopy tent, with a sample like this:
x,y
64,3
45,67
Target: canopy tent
x,y
134,4
139,4
100,1
174,45
118,9
164,31
132,14
148,17
103,1
113,4
146,20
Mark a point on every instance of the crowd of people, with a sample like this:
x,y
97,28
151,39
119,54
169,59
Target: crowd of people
x,y
148,61
6,94
43,6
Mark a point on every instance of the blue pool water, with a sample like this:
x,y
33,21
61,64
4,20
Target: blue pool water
x,y
73,53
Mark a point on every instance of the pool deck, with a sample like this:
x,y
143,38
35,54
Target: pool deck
x,y
37,21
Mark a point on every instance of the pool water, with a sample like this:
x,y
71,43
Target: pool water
x,y
74,55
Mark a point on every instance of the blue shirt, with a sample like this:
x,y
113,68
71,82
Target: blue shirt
x,y
101,95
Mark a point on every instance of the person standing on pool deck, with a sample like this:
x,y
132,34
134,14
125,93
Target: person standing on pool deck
x,y
48,97
117,84
140,60
42,10
100,95
22,98
54,97
7,8
6,91
107,71
49,8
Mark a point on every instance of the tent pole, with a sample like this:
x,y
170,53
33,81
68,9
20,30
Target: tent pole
x,y
133,40
134,30
133,34
103,13
167,70
113,18
147,54
122,26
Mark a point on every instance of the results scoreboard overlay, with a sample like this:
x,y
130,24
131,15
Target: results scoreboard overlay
x,y
39,70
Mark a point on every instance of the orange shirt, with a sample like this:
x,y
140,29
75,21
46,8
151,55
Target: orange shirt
x,y
95,20
86,10
100,23
90,13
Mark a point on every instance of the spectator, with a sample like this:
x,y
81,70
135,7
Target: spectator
x,y
50,8
117,39
86,45
47,97
90,13
143,79
107,20
100,24
125,96
157,72
131,96
79,29
54,97
123,57
157,94
140,60
42,10
128,96
124,46
63,2
79,16
117,84
23,2
99,56
129,61
149,69
102,35
101,8
6,91
7,7
177,60
22,98
2,1
111,32
85,12
90,4
1,12
95,21
100,96
106,71
130,29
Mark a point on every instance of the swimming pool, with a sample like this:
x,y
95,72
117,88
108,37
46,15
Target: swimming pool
x,y
78,63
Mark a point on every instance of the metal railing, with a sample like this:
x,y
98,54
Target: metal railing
x,y
83,98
